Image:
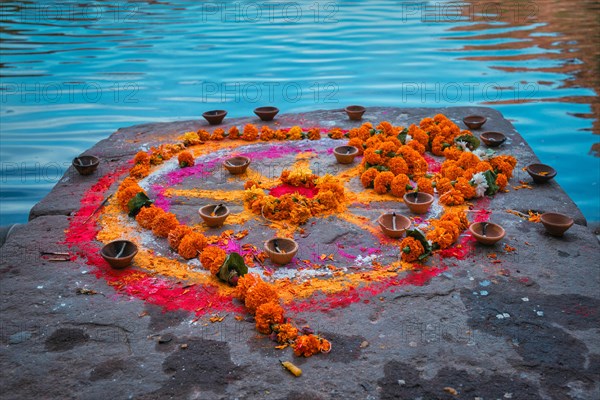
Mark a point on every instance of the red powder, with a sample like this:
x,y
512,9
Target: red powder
x,y
284,188
434,166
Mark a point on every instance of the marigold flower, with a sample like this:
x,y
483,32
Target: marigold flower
x,y
145,218
175,235
501,181
383,182
387,148
141,157
335,133
327,200
164,223
418,134
314,134
418,167
140,171
203,135
234,132
439,144
266,133
307,345
185,159
442,185
295,133
411,249
424,185
190,138
400,184
372,157
448,225
267,315
250,133
251,184
245,283
464,186
452,197
451,170
452,153
443,238
259,294
127,192
280,134
417,146
458,218
468,160
286,333
191,245
212,258
368,177
358,143
387,128
218,134
300,214
373,141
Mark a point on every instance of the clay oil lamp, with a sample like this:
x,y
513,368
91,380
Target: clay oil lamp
x,y
119,253
393,225
86,165
355,113
493,139
345,154
266,113
236,165
214,117
556,224
487,233
541,172
474,121
418,202
214,215
281,250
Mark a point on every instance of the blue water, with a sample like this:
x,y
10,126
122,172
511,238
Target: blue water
x,y
74,73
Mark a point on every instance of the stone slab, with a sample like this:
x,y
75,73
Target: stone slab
x,y
525,328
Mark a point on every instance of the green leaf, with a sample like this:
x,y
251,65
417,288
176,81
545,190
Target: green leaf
x,y
381,168
472,141
402,136
490,178
420,236
135,205
233,267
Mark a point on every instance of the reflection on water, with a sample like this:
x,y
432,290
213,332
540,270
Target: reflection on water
x,y
72,73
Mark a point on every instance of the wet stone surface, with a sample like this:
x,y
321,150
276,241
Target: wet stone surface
x,y
522,325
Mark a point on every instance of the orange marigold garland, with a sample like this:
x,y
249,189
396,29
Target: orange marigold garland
x,y
383,182
267,315
145,218
186,159
191,245
164,223
176,235
368,177
308,345
212,258
259,294
411,249
250,133
286,333
400,184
